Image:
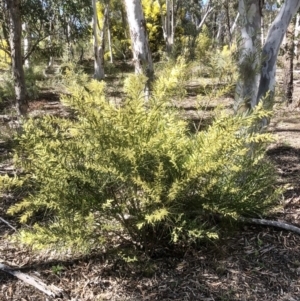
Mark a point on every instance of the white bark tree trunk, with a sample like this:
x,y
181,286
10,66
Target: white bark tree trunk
x,y
262,30
208,11
249,57
142,57
233,26
168,24
26,43
51,59
109,41
220,33
271,48
70,50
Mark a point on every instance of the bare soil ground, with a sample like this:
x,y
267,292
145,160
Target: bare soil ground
x,y
248,263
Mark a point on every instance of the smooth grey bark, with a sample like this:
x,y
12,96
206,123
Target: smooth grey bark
x,y
249,56
26,44
142,57
15,37
109,41
168,24
233,26
70,48
271,48
221,27
208,11
51,58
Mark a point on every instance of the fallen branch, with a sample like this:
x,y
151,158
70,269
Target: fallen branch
x,y
50,290
7,223
265,222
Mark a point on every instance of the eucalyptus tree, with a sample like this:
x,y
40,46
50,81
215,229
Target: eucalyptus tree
x,y
168,22
99,45
142,57
249,54
14,25
258,62
183,18
55,26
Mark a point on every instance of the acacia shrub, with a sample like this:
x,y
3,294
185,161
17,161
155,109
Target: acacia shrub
x,y
135,171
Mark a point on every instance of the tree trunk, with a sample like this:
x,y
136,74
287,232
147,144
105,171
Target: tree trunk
x,y
226,7
168,24
99,43
249,57
289,62
262,30
208,11
142,57
220,33
296,39
26,43
233,26
70,49
51,58
271,48
15,36
109,41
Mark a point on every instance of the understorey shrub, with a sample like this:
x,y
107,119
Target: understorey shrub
x,y
32,78
135,172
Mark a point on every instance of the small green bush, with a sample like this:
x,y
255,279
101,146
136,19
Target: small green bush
x,y
203,45
72,74
7,90
32,76
136,172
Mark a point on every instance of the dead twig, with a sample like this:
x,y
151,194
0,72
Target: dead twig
x,y
8,224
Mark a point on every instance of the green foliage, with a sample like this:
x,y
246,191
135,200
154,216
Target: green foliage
x,y
72,74
170,83
119,33
222,65
7,90
57,269
32,77
5,59
203,44
134,171
217,75
153,23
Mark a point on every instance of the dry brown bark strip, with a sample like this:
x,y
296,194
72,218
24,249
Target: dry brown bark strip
x,y
51,291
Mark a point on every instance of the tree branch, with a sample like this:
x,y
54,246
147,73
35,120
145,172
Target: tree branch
x,y
265,222
50,290
7,223
204,17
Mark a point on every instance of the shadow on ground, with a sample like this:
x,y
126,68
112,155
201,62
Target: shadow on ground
x,y
287,161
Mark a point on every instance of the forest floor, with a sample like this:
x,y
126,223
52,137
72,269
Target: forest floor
x,y
249,263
